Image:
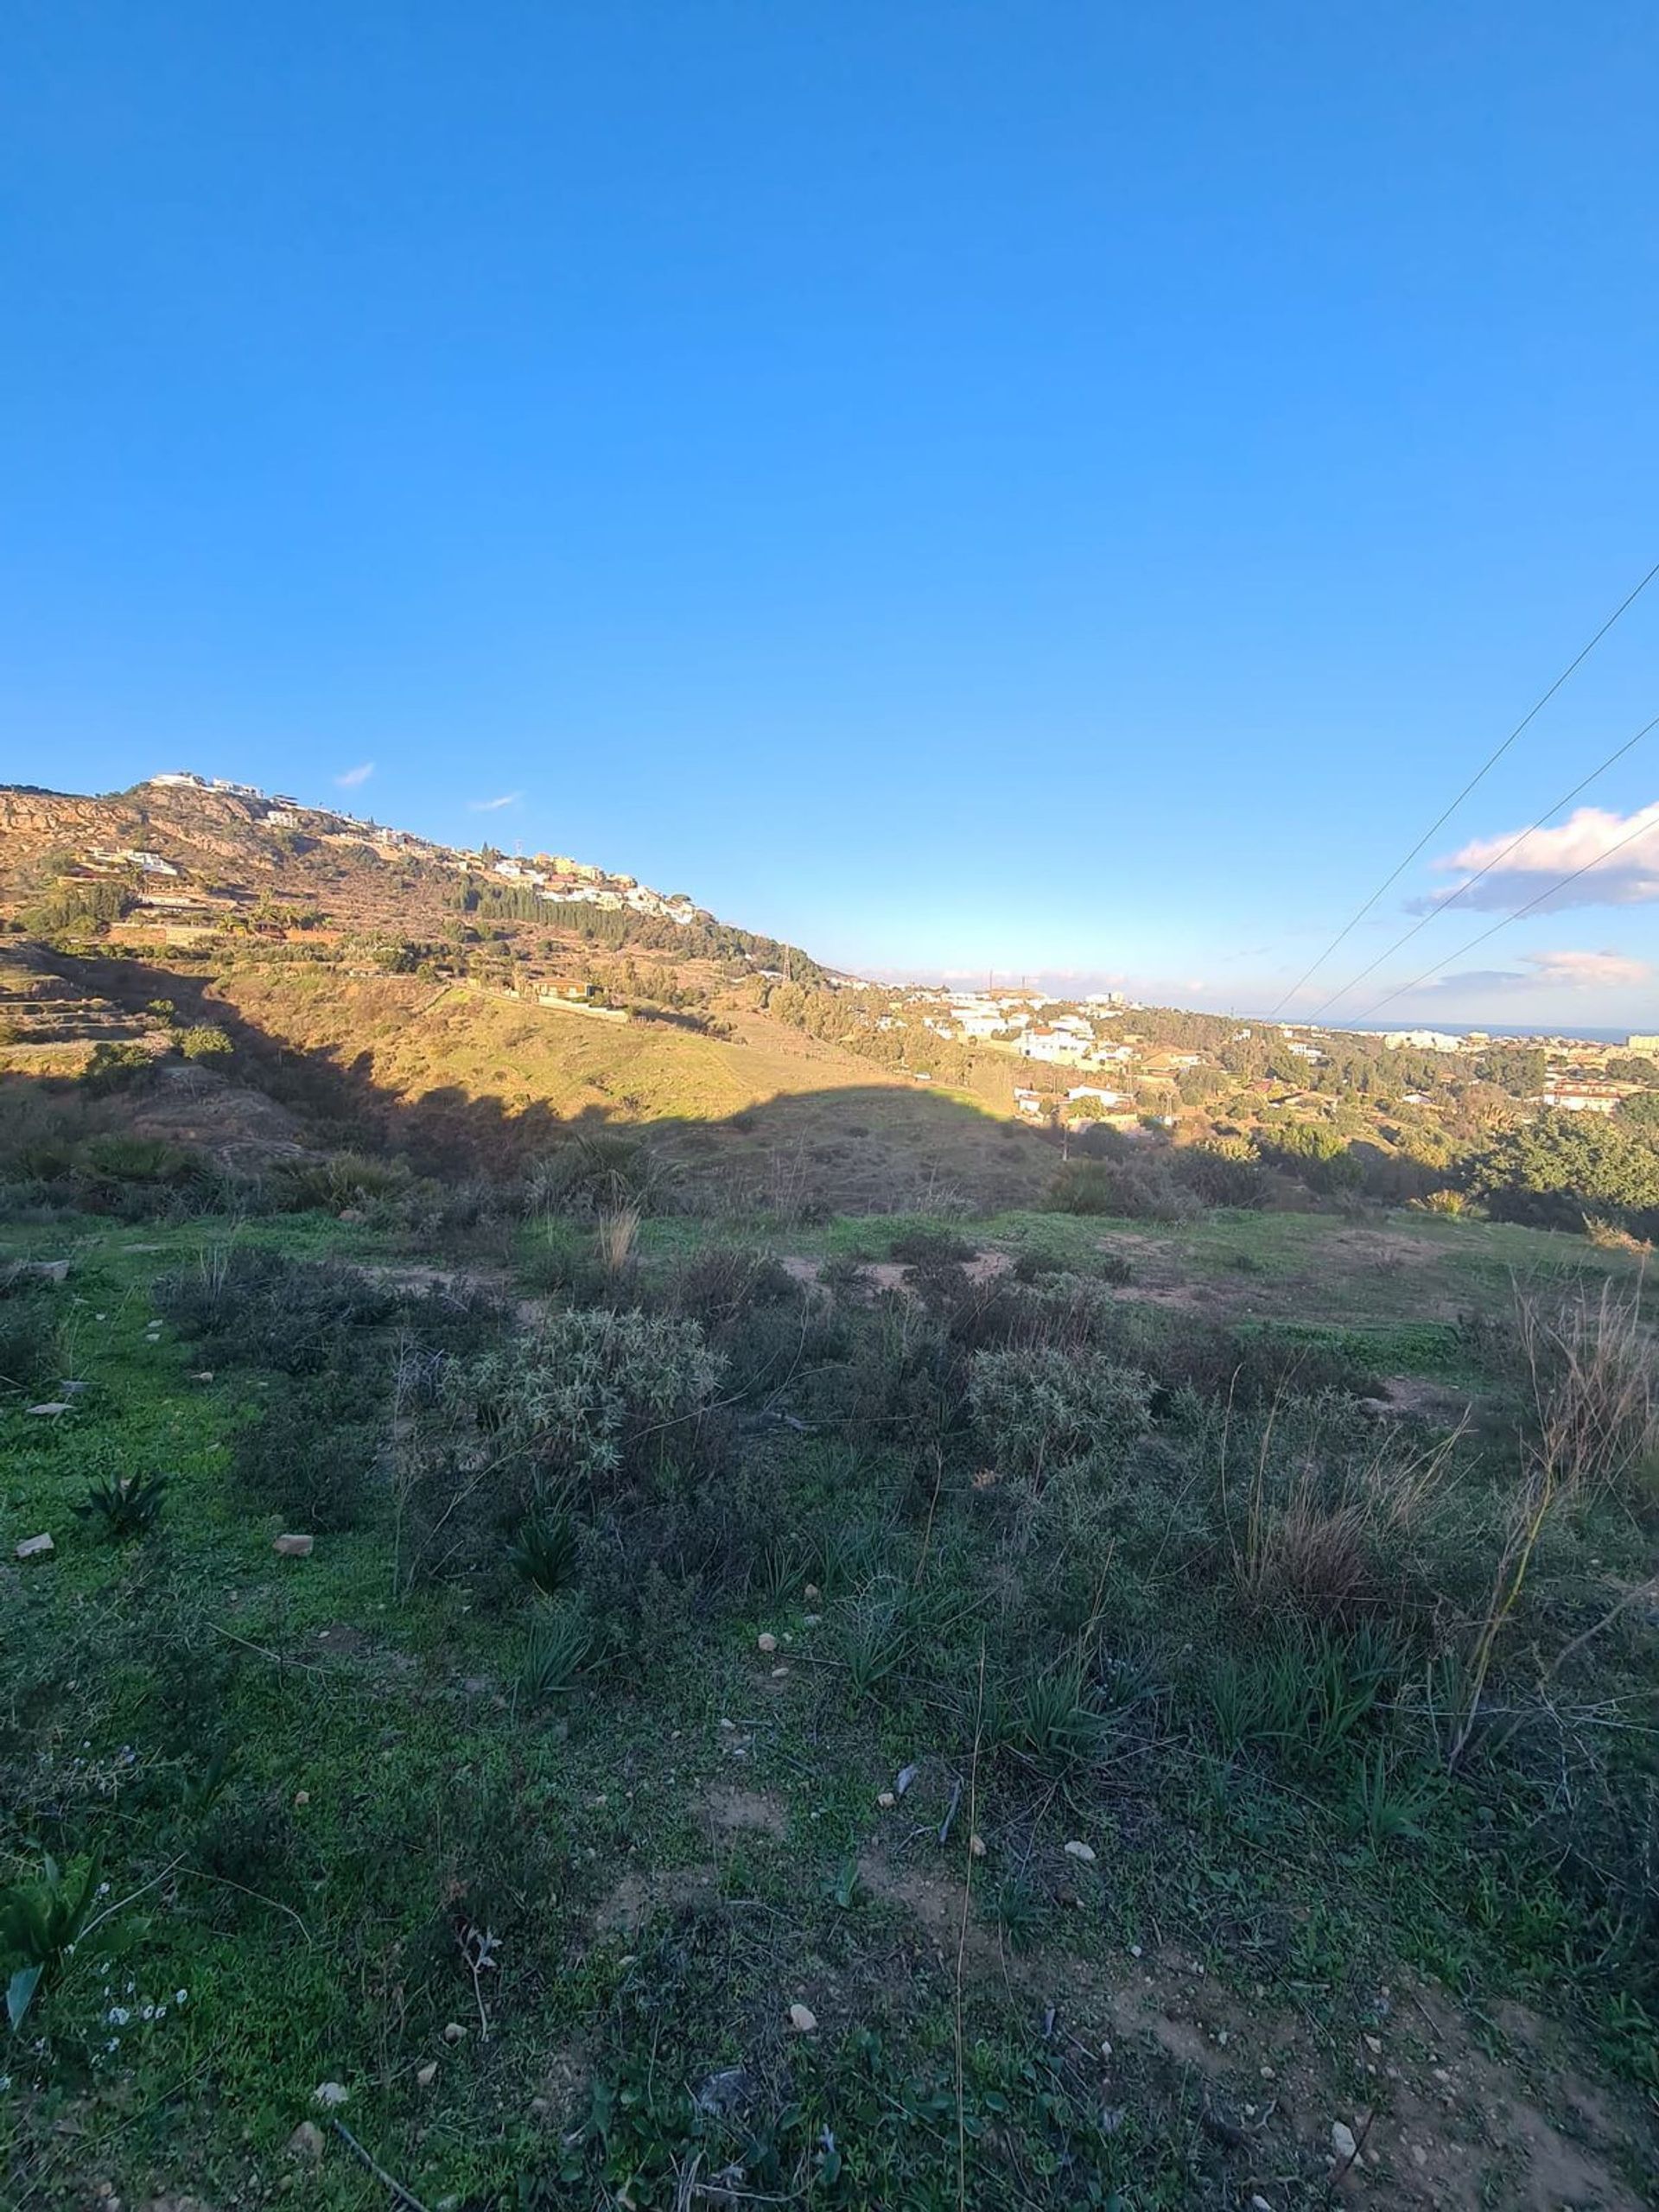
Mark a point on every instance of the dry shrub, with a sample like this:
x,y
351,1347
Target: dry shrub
x,y
1590,1364
1323,1541
1608,1237
617,1234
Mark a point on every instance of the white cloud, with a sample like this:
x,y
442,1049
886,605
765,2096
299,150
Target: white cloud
x,y
1568,970
494,806
352,777
1620,852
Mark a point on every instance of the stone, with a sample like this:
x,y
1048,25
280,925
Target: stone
x,y
330,2095
307,2141
812,1592
294,1547
1081,1852
1342,2141
765,1642
48,1270
427,2074
803,2020
53,1408
886,1800
454,2032
977,1845
35,1547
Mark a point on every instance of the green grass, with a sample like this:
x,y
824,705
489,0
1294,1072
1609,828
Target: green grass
x,y
389,1788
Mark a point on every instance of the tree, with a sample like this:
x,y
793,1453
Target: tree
x,y
1555,1170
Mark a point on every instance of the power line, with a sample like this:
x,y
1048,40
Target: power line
x,y
1642,829
1485,768
1497,861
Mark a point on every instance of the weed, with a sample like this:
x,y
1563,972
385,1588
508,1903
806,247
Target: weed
x,y
1019,1911
544,1551
556,1650
1054,1722
40,1924
125,1506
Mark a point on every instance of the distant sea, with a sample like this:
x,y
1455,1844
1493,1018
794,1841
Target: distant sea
x,y
1580,1035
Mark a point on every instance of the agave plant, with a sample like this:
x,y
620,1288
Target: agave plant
x,y
545,1550
127,1505
554,1655
40,1923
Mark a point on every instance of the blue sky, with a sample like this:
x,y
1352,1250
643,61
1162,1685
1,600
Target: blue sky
x,y
1067,488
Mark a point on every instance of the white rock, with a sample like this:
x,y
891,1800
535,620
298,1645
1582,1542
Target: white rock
x,y
294,1547
886,1800
35,1547
765,1642
454,2032
1342,2140
812,1593
329,2095
804,2021
427,2074
977,1845
1081,1851
53,1406
307,2141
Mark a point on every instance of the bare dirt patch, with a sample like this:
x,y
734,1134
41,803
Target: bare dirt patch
x,y
733,1811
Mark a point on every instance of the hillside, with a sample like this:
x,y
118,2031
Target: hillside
x,y
631,1586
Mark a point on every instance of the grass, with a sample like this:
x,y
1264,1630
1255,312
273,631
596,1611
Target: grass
x,y
312,1796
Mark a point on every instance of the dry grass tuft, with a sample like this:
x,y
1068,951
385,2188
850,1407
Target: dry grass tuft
x,y
617,1234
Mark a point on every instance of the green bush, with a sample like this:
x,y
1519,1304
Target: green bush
x,y
343,1179
204,1041
1125,1190
1218,1174
596,1400
117,1067
249,1307
306,1457
29,1336
1036,1408
592,1175
1552,1171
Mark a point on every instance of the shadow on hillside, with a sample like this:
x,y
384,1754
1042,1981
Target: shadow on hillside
x,y
880,1147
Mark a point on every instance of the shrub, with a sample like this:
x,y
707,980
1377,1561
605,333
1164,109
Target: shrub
x,y
251,1307
116,1159
117,1067
929,1247
599,1174
1553,1171
204,1041
342,1180
1040,1407
596,1400
1124,1190
543,1553
28,1358
1219,1174
307,1459
40,1923
127,1506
